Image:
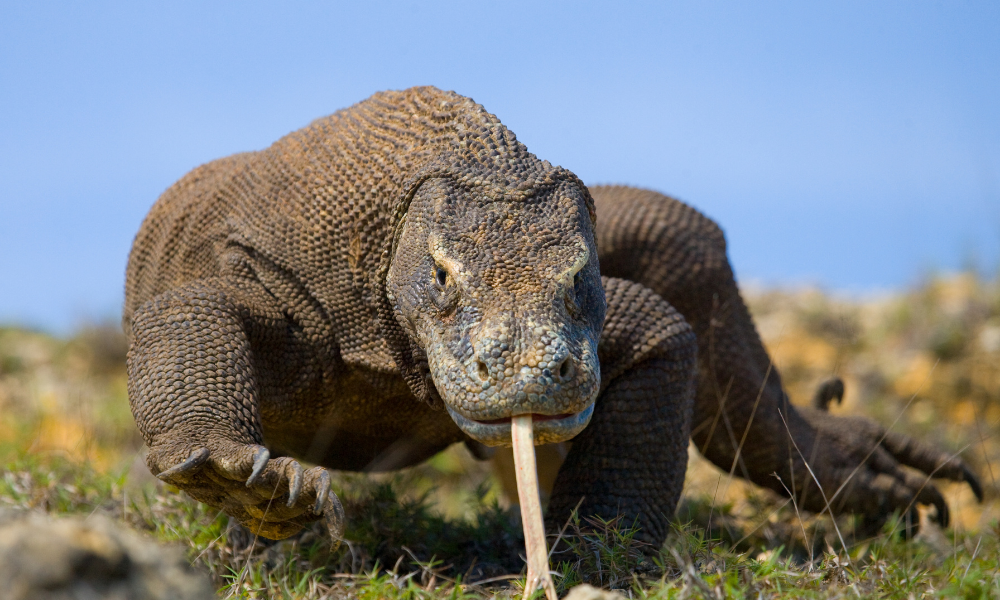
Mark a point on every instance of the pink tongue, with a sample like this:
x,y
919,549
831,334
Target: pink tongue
x,y
523,438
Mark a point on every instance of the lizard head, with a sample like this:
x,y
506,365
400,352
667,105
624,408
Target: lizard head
x,y
504,297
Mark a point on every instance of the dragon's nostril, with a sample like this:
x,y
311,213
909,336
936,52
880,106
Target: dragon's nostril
x,y
566,368
483,370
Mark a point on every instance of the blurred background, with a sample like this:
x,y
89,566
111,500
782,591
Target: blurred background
x,y
850,151
850,145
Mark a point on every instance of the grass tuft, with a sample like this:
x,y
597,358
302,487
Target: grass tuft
x,y
443,529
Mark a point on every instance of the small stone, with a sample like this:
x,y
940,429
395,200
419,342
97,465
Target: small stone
x,y
989,339
588,592
42,558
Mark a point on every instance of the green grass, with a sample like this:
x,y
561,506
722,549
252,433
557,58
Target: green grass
x,y
442,530
400,547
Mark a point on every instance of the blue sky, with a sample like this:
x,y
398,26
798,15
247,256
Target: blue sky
x,y
852,145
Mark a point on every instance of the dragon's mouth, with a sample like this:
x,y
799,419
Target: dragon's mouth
x,y
548,429
535,418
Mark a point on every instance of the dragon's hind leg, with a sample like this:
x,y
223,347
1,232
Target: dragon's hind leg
x,y
742,420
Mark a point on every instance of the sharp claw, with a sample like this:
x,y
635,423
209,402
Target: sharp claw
x,y
193,461
260,458
831,389
969,477
322,492
911,523
335,520
942,514
937,501
295,485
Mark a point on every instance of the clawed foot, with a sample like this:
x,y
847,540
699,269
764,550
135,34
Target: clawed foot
x,y
273,498
862,469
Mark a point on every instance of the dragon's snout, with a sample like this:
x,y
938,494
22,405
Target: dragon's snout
x,y
539,371
544,367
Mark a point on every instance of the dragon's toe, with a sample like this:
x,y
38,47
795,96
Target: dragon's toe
x,y
272,497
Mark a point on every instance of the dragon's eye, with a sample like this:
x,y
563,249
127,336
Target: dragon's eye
x,y
442,293
574,294
441,276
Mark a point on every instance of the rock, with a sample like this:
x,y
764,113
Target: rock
x,y
989,338
8,515
589,592
43,558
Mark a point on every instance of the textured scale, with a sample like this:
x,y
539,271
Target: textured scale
x,y
403,275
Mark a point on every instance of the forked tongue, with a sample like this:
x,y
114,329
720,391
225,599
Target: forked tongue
x,y
523,438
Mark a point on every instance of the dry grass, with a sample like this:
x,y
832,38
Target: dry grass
x,y
930,357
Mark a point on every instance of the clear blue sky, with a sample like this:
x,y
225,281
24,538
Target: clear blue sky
x,y
854,145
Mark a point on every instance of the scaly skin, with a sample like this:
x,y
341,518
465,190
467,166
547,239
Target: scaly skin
x,y
680,254
404,275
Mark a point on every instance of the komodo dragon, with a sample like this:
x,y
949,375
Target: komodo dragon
x,y
404,275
